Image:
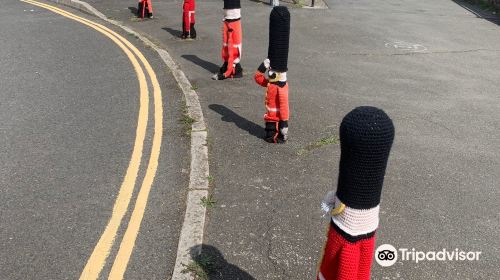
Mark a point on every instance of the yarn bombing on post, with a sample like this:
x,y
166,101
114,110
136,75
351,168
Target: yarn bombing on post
x,y
272,75
366,137
231,42
145,9
188,19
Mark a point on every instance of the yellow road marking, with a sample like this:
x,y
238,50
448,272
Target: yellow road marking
x,y
99,255
128,241
98,258
134,225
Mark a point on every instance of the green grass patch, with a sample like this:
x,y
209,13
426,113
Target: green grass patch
x,y
186,120
210,179
331,140
208,201
200,268
484,5
298,3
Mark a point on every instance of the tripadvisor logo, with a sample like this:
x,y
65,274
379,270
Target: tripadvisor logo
x,y
387,255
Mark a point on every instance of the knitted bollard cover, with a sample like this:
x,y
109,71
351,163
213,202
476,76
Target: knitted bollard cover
x,y
366,137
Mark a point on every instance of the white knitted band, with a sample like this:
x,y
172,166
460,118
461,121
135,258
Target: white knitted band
x,y
232,14
357,221
282,77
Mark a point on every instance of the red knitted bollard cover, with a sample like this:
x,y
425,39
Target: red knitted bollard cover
x,y
343,260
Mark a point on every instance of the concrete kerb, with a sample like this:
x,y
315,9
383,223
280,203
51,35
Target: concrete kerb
x,y
193,226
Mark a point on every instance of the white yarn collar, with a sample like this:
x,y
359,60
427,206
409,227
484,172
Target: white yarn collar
x,y
232,14
357,221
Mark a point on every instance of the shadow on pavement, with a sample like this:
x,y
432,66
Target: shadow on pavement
x,y
207,65
174,32
133,10
229,115
478,11
212,262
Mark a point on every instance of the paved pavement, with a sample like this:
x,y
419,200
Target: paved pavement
x,y
431,64
69,105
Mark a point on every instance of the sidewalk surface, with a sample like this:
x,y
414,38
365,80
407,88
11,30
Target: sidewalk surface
x,y
431,64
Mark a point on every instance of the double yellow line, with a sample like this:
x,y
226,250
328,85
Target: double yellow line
x,y
101,251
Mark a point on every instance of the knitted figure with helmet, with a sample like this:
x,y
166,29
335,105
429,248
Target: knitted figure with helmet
x,y
366,137
188,19
231,42
145,9
272,75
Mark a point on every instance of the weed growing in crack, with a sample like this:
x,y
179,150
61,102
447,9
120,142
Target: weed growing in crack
x,y
208,201
298,3
186,120
200,268
210,179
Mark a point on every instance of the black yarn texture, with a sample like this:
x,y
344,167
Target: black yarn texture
x,y
279,38
232,4
366,136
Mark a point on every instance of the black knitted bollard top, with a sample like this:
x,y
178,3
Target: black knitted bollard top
x,y
232,4
366,136
279,37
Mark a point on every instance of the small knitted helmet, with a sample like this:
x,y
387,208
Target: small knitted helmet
x,y
232,4
279,38
366,136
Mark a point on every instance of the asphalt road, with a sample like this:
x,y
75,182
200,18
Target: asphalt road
x,y
69,106
432,65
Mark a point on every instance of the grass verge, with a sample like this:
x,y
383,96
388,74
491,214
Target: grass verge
x,y
331,140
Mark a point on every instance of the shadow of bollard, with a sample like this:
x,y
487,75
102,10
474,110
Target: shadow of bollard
x,y
210,264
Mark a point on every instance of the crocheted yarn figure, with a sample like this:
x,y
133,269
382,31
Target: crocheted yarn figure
x,y
188,11
366,136
231,42
272,75
144,9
